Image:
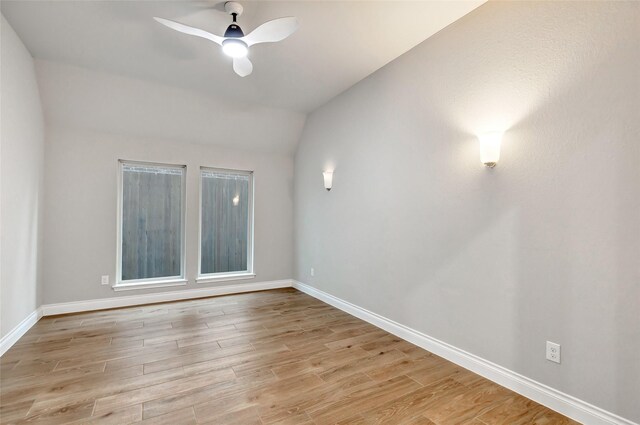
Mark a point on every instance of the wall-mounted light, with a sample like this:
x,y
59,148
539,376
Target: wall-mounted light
x,y
236,200
490,148
328,179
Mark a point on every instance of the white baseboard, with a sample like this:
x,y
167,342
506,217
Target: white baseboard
x,y
565,404
158,297
14,335
8,340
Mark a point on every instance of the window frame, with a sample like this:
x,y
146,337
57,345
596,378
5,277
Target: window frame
x,y
227,276
154,282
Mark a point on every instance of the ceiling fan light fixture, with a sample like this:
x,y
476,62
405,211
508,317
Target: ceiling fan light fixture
x,y
234,43
235,48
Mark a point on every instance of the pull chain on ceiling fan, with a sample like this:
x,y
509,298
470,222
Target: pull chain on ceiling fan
x,y
234,43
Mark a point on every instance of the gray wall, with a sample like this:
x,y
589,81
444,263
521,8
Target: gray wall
x,y
94,100
546,246
21,183
80,226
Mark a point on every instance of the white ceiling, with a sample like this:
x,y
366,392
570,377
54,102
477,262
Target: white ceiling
x,y
338,43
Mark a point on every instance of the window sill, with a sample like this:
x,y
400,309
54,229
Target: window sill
x,y
149,285
225,277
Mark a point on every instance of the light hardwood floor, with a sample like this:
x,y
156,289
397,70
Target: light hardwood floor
x,y
273,357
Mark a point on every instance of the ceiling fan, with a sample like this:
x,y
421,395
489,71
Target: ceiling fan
x,y
234,43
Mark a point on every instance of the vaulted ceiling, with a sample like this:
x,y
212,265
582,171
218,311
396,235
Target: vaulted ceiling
x,y
338,44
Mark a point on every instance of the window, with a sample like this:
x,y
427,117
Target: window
x,y
226,224
151,224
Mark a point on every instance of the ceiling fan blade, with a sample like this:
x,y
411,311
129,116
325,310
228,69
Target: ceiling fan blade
x,y
190,30
242,66
272,31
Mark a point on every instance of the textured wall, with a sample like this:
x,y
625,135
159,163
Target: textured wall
x,y
80,225
546,246
98,101
22,147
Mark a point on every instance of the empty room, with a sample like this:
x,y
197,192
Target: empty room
x,y
320,212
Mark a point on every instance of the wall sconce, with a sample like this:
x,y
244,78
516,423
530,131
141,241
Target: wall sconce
x,y
328,179
490,148
236,200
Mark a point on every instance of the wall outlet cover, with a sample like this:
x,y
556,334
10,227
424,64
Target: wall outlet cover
x,y
553,352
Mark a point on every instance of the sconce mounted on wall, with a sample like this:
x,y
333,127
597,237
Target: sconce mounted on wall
x,y
328,179
490,148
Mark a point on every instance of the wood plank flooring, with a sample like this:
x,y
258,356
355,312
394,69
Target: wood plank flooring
x,y
273,357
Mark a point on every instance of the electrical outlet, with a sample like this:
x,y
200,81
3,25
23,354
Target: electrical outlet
x,y
553,352
105,280
313,272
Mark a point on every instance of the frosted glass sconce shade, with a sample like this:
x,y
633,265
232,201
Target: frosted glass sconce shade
x,y
328,179
490,148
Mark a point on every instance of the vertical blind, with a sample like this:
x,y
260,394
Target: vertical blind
x,y
225,222
151,221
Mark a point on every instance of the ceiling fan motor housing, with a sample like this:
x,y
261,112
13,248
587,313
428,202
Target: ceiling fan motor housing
x,y
233,31
234,9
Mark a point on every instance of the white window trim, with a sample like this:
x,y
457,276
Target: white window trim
x,y
148,284
225,277
228,276
153,282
